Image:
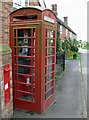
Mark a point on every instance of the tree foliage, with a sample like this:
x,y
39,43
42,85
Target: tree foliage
x,y
70,45
58,43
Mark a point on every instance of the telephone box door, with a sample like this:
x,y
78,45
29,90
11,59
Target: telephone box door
x,y
25,64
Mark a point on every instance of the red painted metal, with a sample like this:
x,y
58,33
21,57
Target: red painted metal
x,y
33,44
7,84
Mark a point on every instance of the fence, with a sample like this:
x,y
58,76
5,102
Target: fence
x,y
60,62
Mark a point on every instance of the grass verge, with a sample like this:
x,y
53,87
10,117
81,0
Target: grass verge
x,y
71,57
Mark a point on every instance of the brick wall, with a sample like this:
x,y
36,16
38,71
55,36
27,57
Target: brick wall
x,y
74,36
6,111
63,35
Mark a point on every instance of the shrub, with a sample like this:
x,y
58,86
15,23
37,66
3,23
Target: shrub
x,y
69,53
74,55
74,48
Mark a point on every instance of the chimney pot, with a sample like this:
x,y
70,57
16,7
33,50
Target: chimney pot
x,y
66,20
54,8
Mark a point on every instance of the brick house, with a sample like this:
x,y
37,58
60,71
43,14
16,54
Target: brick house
x,y
65,31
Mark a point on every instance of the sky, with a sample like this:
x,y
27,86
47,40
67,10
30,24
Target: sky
x,y
75,10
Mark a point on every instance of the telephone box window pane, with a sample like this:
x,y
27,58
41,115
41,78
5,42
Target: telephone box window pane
x,y
24,32
26,80
49,93
50,60
23,51
23,70
50,51
24,41
26,61
25,88
20,33
49,77
24,96
26,70
26,51
23,61
48,69
50,42
28,97
48,86
50,34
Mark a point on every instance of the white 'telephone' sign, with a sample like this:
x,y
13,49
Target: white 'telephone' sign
x,y
46,18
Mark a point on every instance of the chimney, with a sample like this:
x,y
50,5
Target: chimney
x,y
26,2
54,9
66,20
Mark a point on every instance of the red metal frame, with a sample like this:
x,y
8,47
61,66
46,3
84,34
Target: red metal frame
x,y
32,48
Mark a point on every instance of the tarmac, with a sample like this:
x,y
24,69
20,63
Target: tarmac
x,y
68,95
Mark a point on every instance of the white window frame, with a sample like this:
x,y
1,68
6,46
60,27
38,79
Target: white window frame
x,y
66,32
70,34
61,29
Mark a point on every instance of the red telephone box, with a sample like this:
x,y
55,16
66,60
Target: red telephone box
x,y
33,43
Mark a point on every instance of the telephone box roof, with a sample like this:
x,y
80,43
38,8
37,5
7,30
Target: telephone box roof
x,y
34,7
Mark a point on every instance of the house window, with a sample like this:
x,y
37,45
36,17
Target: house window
x,y
70,35
60,29
66,32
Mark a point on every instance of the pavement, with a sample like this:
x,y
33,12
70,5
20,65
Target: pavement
x,y
84,66
88,84
85,76
68,94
